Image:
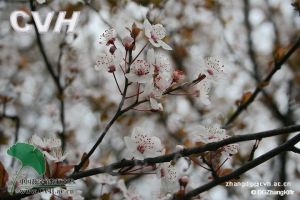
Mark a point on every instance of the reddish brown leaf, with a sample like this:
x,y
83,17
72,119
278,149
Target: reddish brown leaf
x,y
61,169
224,171
3,179
135,31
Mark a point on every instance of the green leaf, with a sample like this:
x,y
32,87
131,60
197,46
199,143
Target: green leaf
x,y
29,155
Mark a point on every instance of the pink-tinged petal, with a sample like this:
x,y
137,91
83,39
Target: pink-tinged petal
x,y
155,44
164,45
148,28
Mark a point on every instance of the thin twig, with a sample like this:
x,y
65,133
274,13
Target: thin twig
x,y
55,77
258,89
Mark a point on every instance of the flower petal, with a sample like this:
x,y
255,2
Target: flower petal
x,y
164,45
148,28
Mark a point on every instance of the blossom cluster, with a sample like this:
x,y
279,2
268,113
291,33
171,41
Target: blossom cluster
x,y
154,76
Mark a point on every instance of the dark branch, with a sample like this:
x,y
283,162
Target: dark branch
x,y
248,166
186,152
258,89
196,150
55,77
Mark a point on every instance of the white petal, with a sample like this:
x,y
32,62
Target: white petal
x,y
154,104
154,43
148,28
157,145
130,144
49,156
41,1
36,140
204,99
151,56
164,45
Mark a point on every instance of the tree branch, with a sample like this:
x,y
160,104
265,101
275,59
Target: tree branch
x,y
186,152
250,165
190,151
55,78
258,89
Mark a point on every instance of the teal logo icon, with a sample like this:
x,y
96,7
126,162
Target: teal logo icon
x,y
29,156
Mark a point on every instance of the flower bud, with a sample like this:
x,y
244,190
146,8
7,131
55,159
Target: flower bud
x,y
111,69
112,49
178,76
128,42
183,181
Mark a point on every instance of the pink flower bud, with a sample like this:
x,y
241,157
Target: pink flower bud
x,y
112,49
183,181
111,69
128,42
178,76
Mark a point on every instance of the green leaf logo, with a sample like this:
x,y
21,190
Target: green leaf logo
x,y
29,155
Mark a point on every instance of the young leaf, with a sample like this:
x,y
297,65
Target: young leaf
x,y
3,178
29,156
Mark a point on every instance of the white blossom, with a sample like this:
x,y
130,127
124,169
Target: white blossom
x,y
141,145
139,72
45,144
56,155
108,37
109,62
169,177
159,62
203,92
155,34
214,69
207,134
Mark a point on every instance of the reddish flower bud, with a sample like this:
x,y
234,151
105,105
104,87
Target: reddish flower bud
x,y
178,76
111,69
183,181
112,49
128,42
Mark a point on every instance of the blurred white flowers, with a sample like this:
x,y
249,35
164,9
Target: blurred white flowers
x,y
155,34
141,145
41,1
